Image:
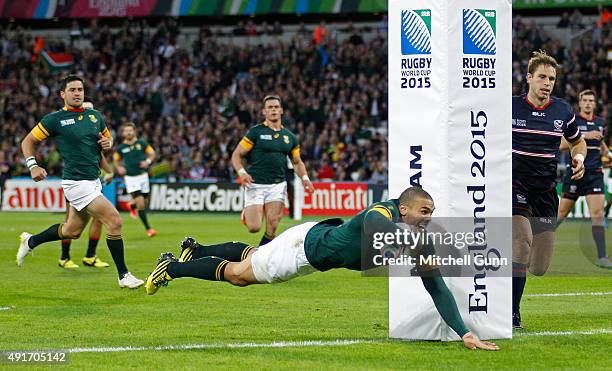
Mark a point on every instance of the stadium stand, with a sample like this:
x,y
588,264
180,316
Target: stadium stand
x,y
193,92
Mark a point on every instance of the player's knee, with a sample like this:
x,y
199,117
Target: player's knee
x,y
114,222
596,214
140,204
71,233
537,270
253,228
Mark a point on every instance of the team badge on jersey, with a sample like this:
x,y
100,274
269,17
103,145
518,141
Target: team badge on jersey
x,y
93,118
80,117
521,199
286,138
276,136
558,124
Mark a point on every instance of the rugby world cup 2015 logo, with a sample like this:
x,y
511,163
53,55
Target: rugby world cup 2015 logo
x,y
479,31
416,31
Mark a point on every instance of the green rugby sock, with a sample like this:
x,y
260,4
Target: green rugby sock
x,y
143,217
209,268
91,248
66,249
53,233
115,246
232,251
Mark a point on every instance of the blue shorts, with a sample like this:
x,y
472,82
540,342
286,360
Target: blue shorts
x,y
539,207
591,183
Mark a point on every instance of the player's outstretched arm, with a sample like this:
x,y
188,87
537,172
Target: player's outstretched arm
x,y
447,307
28,149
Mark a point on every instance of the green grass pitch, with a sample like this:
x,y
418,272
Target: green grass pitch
x,y
46,307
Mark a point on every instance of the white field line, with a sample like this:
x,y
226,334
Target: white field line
x,y
5,308
298,344
573,294
600,331
276,344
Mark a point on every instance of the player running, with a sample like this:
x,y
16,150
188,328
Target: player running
x,y
591,185
95,227
538,123
266,146
311,247
80,134
132,160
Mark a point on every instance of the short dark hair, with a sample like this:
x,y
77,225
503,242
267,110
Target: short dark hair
x,y
413,193
272,97
69,79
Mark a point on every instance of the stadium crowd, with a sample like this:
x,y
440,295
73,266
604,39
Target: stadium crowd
x,y
194,104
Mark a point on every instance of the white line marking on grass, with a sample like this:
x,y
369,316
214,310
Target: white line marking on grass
x,y
297,344
574,294
276,344
6,308
567,333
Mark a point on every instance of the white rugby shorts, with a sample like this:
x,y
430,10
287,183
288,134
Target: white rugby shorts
x,y
260,194
284,257
137,183
80,193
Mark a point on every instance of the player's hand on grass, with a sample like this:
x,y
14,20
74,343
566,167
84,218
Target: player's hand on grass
x,y
308,186
38,173
472,342
105,142
577,168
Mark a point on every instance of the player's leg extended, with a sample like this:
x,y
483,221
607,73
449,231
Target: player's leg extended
x,y
210,268
595,202
95,231
71,229
522,239
274,212
233,251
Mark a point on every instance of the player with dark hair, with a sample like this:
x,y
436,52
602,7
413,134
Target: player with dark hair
x,y
95,227
266,146
538,123
591,185
132,160
80,134
311,247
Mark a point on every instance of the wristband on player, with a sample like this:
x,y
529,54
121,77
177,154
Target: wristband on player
x,y
580,157
305,178
31,162
241,171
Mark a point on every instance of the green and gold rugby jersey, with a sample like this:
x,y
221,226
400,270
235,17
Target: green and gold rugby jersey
x,y
76,133
333,244
268,150
132,155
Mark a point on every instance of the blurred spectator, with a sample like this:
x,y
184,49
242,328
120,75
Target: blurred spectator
x,y
564,22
